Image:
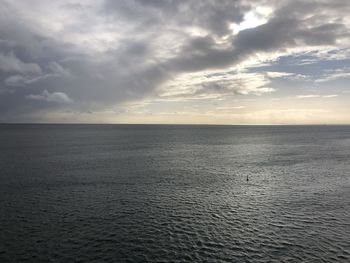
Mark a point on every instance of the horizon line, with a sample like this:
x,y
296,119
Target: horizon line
x,y
171,124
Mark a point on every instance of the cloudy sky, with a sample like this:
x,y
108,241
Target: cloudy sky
x,y
175,61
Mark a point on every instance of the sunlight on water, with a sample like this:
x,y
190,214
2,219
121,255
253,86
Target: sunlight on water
x,y
174,193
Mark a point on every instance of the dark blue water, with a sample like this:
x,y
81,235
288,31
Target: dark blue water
x,y
116,193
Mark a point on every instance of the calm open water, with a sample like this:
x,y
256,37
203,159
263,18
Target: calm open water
x,y
136,193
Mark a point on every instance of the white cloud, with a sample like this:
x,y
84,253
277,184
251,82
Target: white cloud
x,y
14,80
230,108
21,81
335,74
58,70
311,96
58,97
273,74
330,96
10,63
307,96
55,70
214,84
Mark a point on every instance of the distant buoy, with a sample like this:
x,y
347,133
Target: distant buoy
x,y
247,178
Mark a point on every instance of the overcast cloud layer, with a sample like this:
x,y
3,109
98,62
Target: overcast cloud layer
x,y
175,61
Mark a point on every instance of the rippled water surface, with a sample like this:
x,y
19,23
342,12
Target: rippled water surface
x,y
116,193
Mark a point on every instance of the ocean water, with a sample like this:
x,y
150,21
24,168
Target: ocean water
x,y
138,193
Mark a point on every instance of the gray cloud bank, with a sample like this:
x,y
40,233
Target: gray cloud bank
x,y
91,55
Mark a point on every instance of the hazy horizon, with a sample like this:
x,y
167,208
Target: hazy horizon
x,y
168,124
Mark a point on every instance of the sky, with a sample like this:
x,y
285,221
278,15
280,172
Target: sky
x,y
175,61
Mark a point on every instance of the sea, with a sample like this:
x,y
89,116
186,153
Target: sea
x,y
174,193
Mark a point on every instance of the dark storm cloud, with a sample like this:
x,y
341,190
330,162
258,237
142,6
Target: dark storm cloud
x,y
280,32
123,50
214,16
